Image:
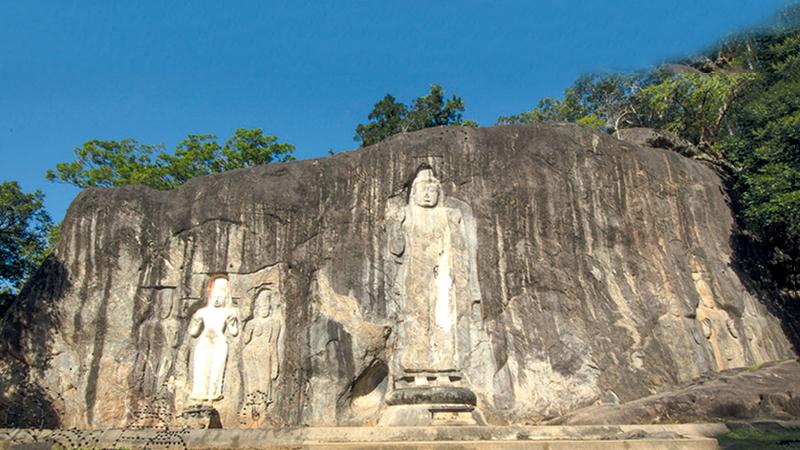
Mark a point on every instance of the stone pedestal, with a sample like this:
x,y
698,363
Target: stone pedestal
x,y
425,415
454,395
415,402
198,417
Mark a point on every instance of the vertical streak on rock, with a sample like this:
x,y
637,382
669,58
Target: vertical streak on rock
x,y
98,326
527,249
585,210
501,262
243,257
671,189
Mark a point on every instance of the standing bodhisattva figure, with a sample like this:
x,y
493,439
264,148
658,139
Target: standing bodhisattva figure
x,y
209,325
263,351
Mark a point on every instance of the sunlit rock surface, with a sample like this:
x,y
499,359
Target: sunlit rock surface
x,y
602,274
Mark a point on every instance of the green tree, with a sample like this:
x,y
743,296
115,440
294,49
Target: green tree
x,y
25,229
119,163
739,103
695,106
111,163
597,100
547,109
389,117
765,148
433,110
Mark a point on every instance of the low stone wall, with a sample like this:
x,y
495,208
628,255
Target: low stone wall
x,y
687,436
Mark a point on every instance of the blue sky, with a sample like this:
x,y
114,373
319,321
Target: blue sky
x,y
305,71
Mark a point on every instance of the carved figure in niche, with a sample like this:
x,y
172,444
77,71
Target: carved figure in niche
x,y
158,343
210,325
716,323
435,300
263,350
431,246
171,327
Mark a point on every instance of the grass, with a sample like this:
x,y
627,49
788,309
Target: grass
x,y
744,438
753,367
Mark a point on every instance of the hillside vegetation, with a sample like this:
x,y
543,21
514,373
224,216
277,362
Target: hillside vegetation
x,y
739,104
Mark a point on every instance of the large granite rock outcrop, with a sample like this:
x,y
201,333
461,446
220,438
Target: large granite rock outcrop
x,y
771,391
581,270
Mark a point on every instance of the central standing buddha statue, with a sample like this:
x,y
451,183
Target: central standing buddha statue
x,y
429,243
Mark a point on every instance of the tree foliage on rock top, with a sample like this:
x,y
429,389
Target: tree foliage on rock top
x,y
595,100
25,237
389,117
739,104
765,148
118,163
678,98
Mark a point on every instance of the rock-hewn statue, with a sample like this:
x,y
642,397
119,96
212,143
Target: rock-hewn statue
x,y
429,303
171,327
210,325
263,350
157,342
429,241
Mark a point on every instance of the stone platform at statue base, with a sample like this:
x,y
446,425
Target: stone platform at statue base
x,y
436,415
610,437
199,417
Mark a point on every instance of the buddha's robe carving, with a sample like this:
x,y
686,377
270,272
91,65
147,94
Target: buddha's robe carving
x,y
435,268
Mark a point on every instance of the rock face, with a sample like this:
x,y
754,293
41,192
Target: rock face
x,y
648,137
771,391
558,268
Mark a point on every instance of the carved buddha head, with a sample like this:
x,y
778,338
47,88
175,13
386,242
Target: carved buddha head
x,y
426,189
218,291
263,306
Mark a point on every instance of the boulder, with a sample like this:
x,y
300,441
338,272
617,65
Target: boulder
x,y
771,391
577,268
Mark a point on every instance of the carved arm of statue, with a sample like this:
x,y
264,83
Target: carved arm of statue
x,y
196,326
143,332
248,333
175,331
279,349
233,325
397,240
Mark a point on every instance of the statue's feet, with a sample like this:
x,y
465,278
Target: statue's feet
x,y
198,417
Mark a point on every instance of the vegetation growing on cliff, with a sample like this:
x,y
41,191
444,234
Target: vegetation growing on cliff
x,y
118,163
27,234
739,104
25,228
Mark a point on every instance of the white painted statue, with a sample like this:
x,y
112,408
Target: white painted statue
x,y
210,325
263,350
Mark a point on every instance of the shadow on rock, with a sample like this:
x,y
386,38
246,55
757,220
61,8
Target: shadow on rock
x,y
26,334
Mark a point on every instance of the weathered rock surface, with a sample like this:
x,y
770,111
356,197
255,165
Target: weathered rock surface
x,y
771,391
602,272
649,137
